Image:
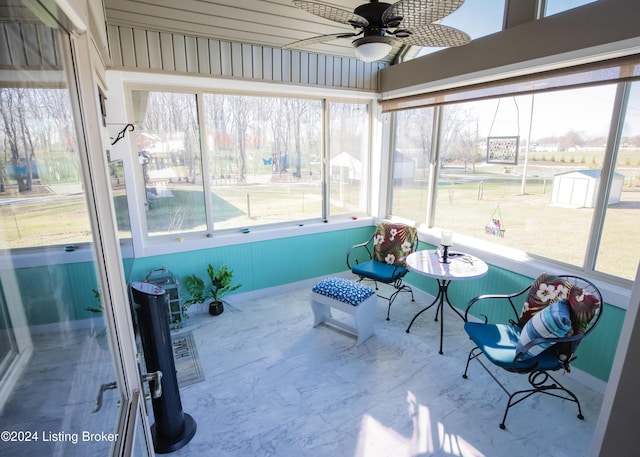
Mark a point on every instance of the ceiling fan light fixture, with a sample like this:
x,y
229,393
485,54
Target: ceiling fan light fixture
x,y
372,48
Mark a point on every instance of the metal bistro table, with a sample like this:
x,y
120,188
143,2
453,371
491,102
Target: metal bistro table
x,y
460,267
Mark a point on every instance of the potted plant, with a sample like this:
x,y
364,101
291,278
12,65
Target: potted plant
x,y
219,285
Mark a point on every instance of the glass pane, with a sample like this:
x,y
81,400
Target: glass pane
x,y
619,246
264,159
348,146
119,192
40,169
477,18
411,160
54,353
535,197
170,160
558,6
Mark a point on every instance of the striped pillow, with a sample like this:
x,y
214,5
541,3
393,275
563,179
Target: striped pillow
x,y
554,321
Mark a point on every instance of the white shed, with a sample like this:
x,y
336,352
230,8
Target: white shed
x,y
579,188
345,165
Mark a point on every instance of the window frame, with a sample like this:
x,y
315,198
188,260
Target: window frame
x,y
512,258
167,243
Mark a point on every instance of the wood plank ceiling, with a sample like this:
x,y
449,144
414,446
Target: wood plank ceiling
x,y
272,23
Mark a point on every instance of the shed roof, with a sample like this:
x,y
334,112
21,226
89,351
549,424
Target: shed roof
x,y
595,174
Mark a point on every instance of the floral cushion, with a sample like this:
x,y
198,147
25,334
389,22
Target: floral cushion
x,y
343,290
392,243
583,308
546,289
553,321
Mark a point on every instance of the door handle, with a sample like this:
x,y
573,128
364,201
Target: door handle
x,y
156,387
103,387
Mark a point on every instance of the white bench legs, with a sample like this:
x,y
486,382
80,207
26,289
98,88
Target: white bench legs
x,y
363,315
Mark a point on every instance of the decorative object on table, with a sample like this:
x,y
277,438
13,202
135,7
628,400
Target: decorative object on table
x,y
558,312
446,241
382,258
218,286
349,297
495,226
162,277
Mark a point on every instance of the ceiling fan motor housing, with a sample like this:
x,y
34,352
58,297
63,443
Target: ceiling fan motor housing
x,y
372,12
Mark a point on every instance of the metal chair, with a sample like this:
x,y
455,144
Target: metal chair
x,y
559,311
382,257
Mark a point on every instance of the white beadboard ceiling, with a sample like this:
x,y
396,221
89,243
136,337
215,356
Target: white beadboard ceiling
x,y
272,23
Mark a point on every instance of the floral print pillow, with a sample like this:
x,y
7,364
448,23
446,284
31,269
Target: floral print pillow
x,y
546,289
392,243
583,307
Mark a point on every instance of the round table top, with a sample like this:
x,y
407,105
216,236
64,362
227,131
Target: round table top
x,y
462,266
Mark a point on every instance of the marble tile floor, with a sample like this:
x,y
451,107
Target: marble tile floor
x,y
54,397
276,386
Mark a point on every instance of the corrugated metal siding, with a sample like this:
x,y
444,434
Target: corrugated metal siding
x,y
136,49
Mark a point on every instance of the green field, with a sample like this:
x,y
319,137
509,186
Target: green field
x,y
466,203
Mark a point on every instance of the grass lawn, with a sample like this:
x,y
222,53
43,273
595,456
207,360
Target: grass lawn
x,y
466,202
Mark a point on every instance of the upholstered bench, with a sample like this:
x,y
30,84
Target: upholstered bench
x,y
349,297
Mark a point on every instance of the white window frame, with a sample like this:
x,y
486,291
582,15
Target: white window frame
x,y
118,106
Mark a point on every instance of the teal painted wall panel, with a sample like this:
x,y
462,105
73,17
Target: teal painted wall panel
x,y
57,293
596,352
263,264
62,293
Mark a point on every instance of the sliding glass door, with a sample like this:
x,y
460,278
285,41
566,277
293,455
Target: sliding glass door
x,y
69,381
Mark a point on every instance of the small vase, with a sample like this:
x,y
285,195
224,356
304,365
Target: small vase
x,y
216,308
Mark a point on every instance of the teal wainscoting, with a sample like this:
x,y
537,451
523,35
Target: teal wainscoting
x,y
263,264
61,293
594,355
57,293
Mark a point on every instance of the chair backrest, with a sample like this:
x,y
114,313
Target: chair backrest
x,y
585,306
393,242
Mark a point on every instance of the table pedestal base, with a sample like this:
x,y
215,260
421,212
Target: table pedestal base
x,y
440,300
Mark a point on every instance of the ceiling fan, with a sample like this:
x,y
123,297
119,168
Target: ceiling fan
x,y
378,25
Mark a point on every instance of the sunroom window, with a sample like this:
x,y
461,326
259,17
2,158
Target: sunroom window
x,y
40,179
168,151
411,163
523,171
264,162
349,158
558,6
619,248
215,161
552,173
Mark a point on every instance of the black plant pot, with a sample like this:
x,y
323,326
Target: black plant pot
x,y
216,308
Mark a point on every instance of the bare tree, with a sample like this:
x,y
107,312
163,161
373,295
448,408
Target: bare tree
x,y
240,111
457,141
18,135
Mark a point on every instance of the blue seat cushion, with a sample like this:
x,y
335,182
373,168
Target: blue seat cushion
x,y
498,343
343,290
379,271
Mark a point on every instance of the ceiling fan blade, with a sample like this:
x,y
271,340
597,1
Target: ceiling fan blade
x,y
436,35
331,13
318,39
419,12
